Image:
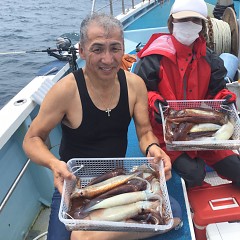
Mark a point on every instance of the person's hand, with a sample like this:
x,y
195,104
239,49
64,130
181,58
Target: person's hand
x,y
229,99
226,95
157,114
61,172
167,166
154,99
159,155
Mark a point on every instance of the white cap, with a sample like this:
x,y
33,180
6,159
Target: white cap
x,y
189,8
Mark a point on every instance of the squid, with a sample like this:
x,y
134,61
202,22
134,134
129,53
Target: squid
x,y
204,127
121,213
200,136
155,186
182,131
123,199
101,187
170,130
107,175
197,124
126,198
132,185
120,198
225,132
197,115
177,132
152,217
202,130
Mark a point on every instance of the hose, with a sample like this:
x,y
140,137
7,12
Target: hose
x,y
41,235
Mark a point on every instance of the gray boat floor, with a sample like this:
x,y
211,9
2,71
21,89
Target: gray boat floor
x,y
39,229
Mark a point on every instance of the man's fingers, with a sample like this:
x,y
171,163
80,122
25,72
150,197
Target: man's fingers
x,y
68,175
168,175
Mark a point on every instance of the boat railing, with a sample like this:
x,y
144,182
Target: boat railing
x,y
16,181
125,5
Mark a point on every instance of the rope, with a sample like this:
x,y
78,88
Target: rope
x,y
219,33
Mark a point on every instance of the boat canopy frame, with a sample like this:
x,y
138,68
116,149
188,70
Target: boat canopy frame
x,y
125,8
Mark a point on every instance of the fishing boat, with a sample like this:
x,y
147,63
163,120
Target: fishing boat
x,y
26,188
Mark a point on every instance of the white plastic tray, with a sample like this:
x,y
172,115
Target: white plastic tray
x,y
234,143
93,167
223,231
235,87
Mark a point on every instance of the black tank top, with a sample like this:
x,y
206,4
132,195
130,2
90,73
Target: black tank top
x,y
99,135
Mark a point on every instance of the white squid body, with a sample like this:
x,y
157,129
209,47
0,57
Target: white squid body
x,y
157,190
129,197
225,132
121,213
123,199
205,127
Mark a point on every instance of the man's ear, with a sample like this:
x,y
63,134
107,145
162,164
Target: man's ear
x,y
81,51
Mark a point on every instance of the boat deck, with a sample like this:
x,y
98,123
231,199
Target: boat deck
x,y
39,229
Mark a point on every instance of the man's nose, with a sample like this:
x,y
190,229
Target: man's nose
x,y
107,57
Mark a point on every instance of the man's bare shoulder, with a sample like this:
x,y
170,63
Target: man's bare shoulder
x,y
63,91
65,86
135,81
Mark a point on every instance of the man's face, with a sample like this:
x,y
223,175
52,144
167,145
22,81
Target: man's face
x,y
103,52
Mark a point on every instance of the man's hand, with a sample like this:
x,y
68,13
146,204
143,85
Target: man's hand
x,y
61,172
158,154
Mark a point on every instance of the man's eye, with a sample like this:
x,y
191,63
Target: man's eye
x,y
116,49
97,50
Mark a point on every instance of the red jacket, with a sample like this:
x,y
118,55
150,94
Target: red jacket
x,y
171,71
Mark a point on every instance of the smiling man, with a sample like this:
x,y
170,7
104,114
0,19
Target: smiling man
x,y
94,105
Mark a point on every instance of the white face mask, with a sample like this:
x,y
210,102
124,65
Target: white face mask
x,y
186,32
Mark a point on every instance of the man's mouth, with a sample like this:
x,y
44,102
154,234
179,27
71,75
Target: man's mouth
x,y
106,69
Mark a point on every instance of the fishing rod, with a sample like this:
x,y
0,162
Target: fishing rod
x,y
30,51
63,44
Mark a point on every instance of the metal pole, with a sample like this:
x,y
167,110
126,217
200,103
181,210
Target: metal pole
x,y
93,6
133,4
14,185
123,7
111,7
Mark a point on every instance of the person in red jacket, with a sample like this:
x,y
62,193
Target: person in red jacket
x,y
179,66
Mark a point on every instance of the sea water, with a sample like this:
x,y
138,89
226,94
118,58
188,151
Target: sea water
x,y
27,25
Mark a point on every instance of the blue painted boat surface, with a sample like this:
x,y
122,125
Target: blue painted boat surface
x,y
25,188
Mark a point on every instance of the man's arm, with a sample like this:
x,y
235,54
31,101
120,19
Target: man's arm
x,y
51,113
